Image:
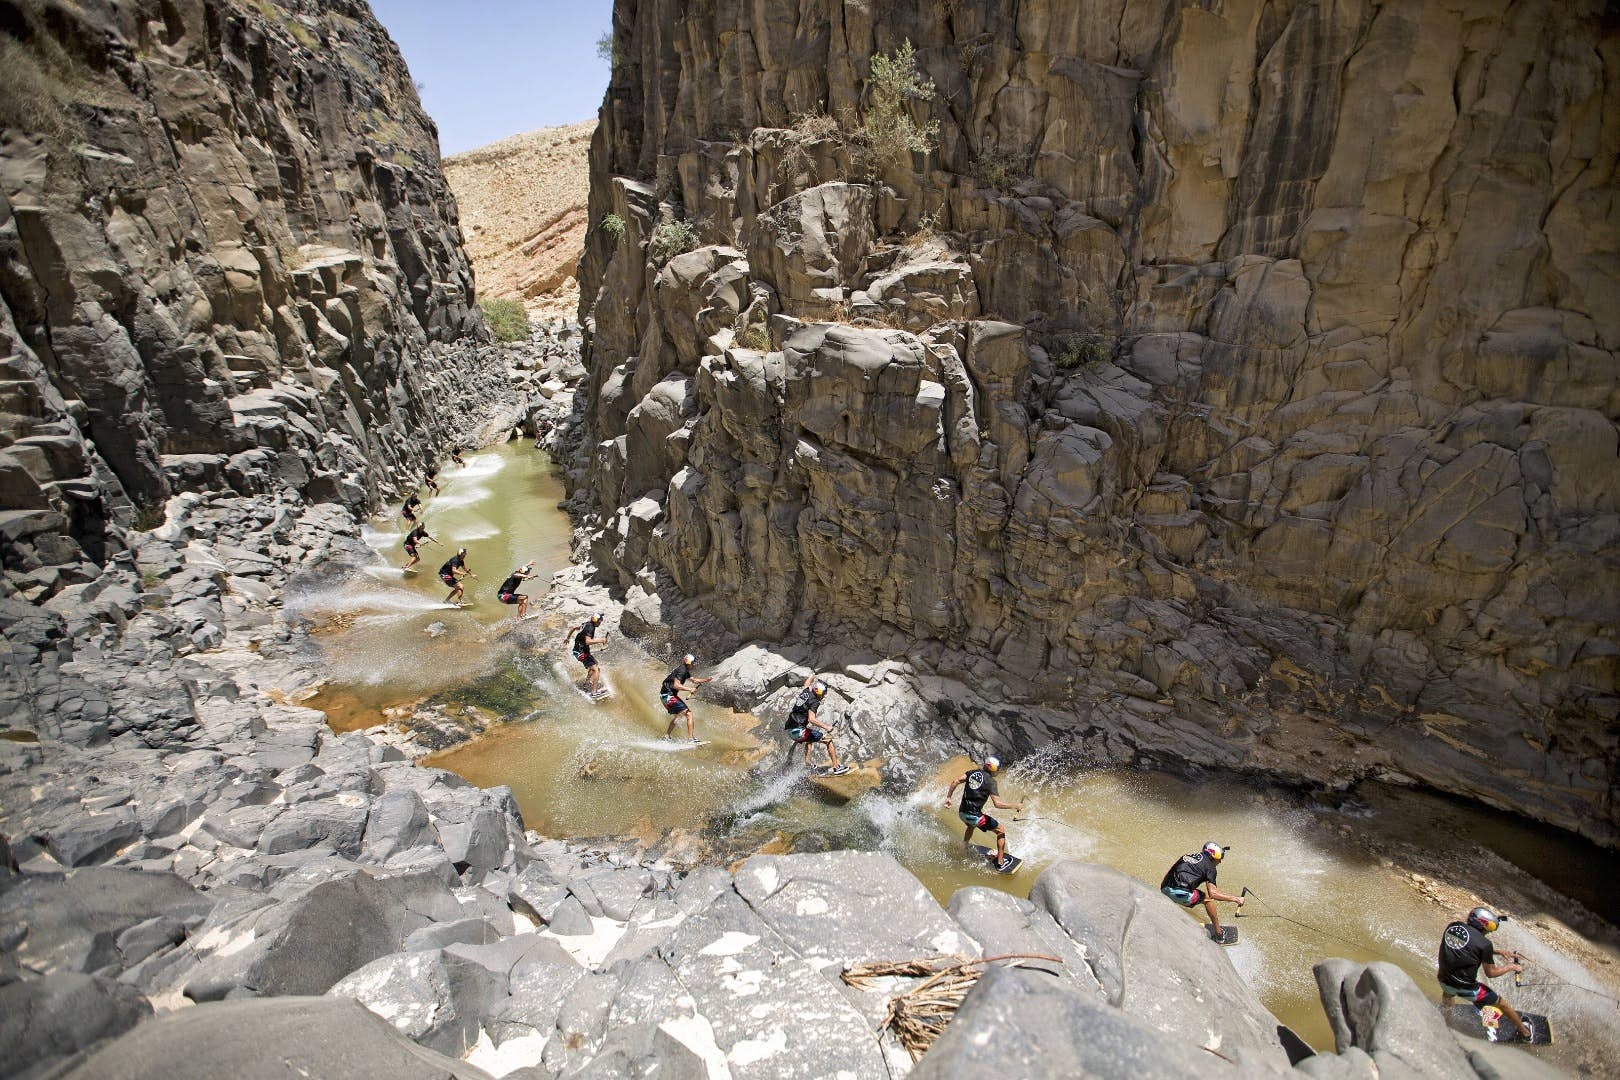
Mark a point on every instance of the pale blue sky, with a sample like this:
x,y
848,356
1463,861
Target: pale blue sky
x,y
494,68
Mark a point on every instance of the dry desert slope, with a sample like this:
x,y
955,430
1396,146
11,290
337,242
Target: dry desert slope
x,y
522,203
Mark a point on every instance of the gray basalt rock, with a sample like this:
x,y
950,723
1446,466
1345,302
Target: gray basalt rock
x,y
270,1040
1025,1023
73,922
42,1020
435,998
1378,1009
848,906
1156,964
312,935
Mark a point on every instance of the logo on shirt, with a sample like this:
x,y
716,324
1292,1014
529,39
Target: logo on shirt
x,y
975,780
1456,937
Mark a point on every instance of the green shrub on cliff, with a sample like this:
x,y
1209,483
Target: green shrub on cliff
x,y
669,239
507,320
888,132
614,226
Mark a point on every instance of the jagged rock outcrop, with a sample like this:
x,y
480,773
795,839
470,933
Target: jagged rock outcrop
x,y
1231,385
228,260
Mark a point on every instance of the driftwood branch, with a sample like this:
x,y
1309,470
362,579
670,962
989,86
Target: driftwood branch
x,y
919,1015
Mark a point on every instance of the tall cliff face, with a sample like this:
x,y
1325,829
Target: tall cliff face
x,y
227,259
1234,383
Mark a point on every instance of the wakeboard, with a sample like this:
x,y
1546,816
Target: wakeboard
x,y
828,770
581,688
1489,1023
1013,861
690,745
1227,936
410,571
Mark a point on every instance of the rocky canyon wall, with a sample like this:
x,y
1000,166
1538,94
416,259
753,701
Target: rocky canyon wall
x,y
1233,383
228,260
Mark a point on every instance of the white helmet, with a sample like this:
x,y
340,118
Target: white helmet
x,y
688,659
598,617
992,763
1214,851
819,689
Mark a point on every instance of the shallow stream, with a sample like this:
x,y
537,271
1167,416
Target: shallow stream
x,y
585,769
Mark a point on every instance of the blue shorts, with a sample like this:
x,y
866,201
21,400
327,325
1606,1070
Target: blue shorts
x,y
979,821
1479,997
1183,897
807,734
674,705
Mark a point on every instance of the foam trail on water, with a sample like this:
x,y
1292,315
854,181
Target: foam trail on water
x,y
366,599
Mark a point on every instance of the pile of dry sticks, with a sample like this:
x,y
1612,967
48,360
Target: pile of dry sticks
x,y
919,1015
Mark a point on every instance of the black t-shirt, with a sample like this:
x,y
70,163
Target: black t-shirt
x,y
1190,871
680,674
979,786
452,564
1462,950
413,503
803,706
416,535
583,638
510,585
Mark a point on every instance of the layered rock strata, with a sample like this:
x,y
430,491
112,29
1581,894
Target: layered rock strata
x,y
522,203
1230,385
228,261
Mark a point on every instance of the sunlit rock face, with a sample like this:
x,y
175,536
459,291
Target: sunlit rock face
x,y
1234,386
228,260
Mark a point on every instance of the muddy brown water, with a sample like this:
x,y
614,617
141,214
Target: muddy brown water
x,y
580,768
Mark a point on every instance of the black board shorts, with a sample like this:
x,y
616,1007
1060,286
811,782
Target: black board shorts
x,y
674,705
510,597
807,734
448,579
584,657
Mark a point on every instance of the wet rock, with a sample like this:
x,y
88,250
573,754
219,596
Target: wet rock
x,y
268,1040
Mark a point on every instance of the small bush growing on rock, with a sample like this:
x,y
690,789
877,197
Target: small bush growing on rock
x,y
1002,170
507,320
614,226
888,131
670,237
1076,349
753,335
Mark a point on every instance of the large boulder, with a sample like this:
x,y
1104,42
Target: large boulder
x,y
844,907
310,936
275,1039
434,998
1158,965
811,246
1025,1023
72,922
42,1020
1378,1009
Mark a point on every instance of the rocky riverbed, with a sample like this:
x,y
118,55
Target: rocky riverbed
x,y
189,861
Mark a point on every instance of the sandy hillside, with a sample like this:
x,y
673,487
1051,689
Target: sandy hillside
x,y
522,203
